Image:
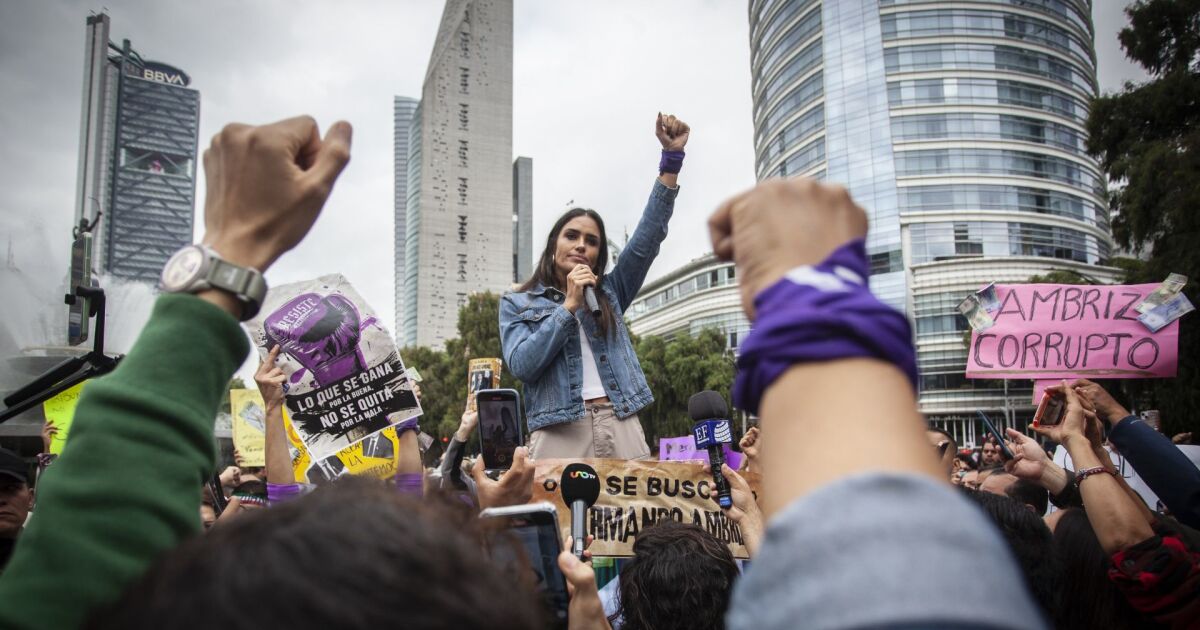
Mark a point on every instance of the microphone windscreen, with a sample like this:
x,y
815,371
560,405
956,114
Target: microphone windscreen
x,y
580,481
707,405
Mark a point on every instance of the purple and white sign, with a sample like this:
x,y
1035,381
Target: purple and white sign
x,y
682,449
346,380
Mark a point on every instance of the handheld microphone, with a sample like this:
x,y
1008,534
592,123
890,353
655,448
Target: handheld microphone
x,y
580,488
589,297
710,432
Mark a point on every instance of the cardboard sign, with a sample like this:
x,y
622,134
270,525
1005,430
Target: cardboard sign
x,y
61,411
635,494
1056,331
683,449
345,379
377,455
481,374
249,428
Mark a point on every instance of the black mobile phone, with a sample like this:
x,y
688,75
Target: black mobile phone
x,y
525,541
499,426
1008,454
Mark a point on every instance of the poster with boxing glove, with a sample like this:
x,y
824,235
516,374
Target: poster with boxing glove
x,y
346,380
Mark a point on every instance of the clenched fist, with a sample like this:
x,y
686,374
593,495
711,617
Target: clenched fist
x,y
672,132
779,225
266,185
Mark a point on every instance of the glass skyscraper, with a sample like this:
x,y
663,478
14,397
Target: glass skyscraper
x,y
403,109
959,127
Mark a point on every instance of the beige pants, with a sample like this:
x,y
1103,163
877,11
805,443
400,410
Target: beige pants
x,y
599,433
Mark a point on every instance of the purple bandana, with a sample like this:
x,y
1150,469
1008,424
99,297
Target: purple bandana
x,y
820,313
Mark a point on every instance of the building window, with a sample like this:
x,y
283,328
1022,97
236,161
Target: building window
x,y
462,153
464,43
464,80
462,191
464,118
462,228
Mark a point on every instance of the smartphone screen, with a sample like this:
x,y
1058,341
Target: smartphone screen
x,y
536,537
499,427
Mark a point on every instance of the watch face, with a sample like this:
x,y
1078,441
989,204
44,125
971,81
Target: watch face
x,y
182,269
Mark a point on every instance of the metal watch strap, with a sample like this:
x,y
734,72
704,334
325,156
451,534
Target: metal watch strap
x,y
246,284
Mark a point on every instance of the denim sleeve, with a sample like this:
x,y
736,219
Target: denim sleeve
x,y
626,278
883,550
530,347
1164,468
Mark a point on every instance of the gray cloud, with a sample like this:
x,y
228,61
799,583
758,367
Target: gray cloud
x,y
588,80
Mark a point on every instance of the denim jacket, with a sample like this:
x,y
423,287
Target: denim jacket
x,y
541,338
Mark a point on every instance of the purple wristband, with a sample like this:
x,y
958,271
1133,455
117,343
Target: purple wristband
x,y
410,424
820,313
282,492
412,484
670,162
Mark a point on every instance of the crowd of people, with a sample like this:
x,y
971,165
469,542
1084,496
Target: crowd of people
x,y
858,522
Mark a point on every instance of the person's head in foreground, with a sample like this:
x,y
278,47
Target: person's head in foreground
x,y
1089,599
680,577
1031,543
351,554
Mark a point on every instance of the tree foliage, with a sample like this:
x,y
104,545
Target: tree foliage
x,y
1147,138
674,370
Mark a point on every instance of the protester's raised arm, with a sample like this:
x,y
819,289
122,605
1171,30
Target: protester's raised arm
x,y
152,418
1114,517
270,380
827,364
639,253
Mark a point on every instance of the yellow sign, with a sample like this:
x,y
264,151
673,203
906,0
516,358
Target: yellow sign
x,y
61,411
376,455
481,374
249,431
635,494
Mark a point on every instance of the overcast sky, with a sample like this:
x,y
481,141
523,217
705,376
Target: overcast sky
x,y
588,79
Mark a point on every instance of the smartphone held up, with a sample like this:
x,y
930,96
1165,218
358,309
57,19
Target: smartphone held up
x,y
499,427
1051,409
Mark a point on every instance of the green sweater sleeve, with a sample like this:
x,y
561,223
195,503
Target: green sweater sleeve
x,y
127,486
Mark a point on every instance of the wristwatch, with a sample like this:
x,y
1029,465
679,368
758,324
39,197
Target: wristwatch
x,y
198,268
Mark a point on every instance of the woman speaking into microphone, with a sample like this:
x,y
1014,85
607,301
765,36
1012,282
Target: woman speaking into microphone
x,y
563,334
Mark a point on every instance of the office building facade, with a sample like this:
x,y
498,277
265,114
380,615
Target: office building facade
x,y
139,131
960,129
458,228
403,110
522,219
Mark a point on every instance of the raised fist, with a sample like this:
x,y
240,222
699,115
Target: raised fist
x,y
672,132
321,333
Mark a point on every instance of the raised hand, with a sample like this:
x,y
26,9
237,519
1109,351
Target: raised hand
x,y
515,486
49,431
745,511
270,379
266,186
779,225
749,445
1107,408
671,132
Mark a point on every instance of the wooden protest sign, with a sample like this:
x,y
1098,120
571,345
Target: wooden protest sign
x,y
346,381
61,411
249,431
1056,331
635,494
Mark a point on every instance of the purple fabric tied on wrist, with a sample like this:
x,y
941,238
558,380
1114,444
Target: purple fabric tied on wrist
x,y
408,425
412,484
820,313
670,162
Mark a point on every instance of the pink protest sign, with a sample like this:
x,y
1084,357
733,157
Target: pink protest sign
x,y
1056,331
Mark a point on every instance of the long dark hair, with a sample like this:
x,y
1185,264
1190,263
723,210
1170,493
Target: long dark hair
x,y
546,272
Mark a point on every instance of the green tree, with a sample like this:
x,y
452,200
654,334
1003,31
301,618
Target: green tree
x,y
675,370
1147,138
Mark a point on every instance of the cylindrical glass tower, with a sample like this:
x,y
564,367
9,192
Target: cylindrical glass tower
x,y
959,127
